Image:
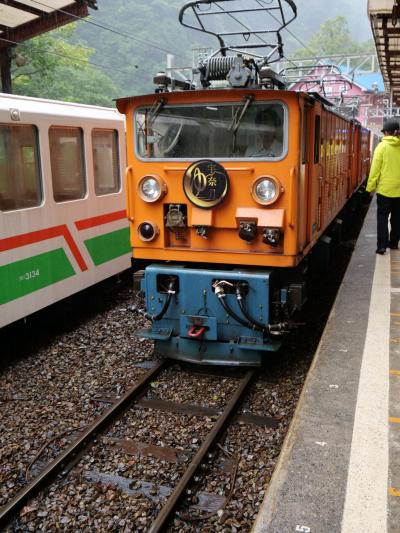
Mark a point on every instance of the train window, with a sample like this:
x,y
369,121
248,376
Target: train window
x,y
305,134
105,161
20,179
213,131
353,139
67,163
317,138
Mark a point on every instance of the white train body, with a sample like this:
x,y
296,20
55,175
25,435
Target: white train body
x,y
63,223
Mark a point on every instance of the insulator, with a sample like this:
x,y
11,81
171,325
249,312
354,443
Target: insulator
x,y
218,67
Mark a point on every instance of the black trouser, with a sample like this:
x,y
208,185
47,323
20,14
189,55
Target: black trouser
x,y
388,206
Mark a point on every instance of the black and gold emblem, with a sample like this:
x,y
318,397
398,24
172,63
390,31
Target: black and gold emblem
x,y
206,183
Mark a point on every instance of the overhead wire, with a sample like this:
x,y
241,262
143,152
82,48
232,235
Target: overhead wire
x,y
262,3
61,40
141,41
313,56
109,28
59,54
241,23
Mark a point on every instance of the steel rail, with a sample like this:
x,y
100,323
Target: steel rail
x,y
212,437
84,440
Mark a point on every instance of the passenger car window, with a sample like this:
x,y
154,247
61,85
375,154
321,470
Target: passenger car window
x,y
67,163
305,133
20,179
105,161
317,138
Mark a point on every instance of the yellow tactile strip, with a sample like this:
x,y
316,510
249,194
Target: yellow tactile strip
x,y
395,271
395,323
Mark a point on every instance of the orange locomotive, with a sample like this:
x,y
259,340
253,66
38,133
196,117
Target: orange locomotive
x,y
228,191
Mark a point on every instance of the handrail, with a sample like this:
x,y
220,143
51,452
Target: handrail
x,y
128,178
292,197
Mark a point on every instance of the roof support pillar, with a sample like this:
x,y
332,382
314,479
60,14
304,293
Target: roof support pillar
x,y
5,67
391,101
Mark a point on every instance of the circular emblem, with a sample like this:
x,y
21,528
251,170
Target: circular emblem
x,y
206,183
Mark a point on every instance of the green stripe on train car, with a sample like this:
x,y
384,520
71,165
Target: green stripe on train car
x,y
29,275
109,246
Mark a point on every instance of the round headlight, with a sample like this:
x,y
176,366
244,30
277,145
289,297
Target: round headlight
x,y
151,188
266,190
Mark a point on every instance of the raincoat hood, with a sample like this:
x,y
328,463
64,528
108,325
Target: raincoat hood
x,y
391,140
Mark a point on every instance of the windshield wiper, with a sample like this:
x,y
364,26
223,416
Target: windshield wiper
x,y
153,114
240,112
237,119
155,110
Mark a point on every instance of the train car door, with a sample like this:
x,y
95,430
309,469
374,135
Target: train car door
x,y
356,155
315,169
304,182
366,155
350,160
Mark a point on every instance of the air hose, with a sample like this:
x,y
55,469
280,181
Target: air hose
x,y
274,329
170,292
256,325
220,292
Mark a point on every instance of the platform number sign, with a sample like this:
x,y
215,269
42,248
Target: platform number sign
x,y
303,529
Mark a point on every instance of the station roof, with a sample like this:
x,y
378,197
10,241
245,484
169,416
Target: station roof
x,y
23,19
385,23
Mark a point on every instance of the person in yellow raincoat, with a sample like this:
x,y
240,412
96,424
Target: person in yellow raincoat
x,y
384,179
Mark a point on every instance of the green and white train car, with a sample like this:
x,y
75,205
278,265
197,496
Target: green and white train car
x,y
63,224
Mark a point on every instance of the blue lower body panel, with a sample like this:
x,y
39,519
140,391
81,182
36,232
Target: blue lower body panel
x,y
196,327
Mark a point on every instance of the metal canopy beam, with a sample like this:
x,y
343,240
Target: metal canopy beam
x,y
42,24
24,19
28,8
385,24
21,20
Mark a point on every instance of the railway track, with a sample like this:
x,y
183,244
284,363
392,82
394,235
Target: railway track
x,y
134,398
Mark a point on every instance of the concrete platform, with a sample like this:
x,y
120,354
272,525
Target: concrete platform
x,y
339,470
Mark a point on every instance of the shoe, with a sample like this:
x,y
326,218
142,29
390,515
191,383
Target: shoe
x,y
394,246
381,251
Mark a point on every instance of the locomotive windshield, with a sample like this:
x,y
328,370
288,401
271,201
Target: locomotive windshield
x,y
212,131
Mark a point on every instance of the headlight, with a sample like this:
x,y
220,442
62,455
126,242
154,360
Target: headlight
x,y
266,190
148,231
151,188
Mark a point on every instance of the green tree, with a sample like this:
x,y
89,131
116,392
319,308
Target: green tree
x,y
333,38
54,68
